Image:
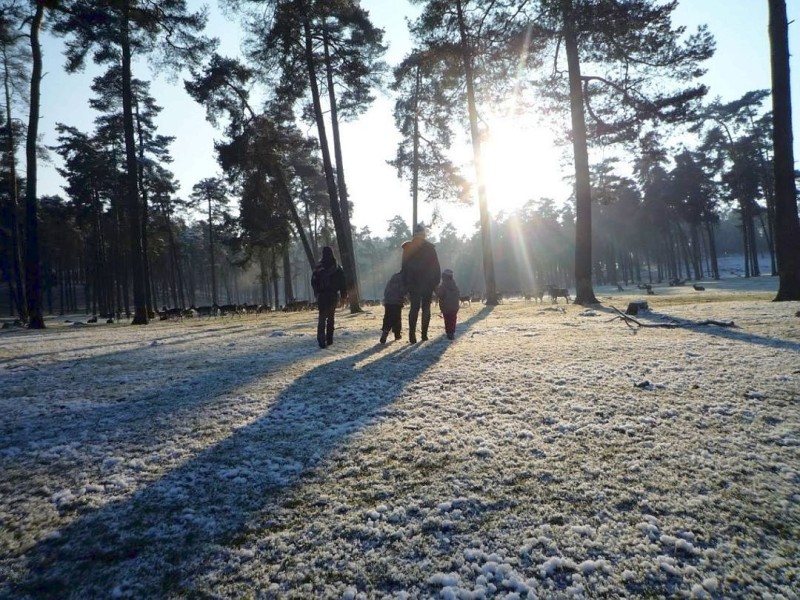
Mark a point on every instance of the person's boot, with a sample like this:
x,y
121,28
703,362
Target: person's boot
x,y
426,319
384,335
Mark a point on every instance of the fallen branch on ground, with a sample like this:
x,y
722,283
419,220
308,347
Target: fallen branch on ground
x,y
671,325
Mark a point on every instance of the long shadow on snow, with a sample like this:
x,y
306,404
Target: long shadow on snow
x,y
61,445
169,529
178,336
729,333
196,380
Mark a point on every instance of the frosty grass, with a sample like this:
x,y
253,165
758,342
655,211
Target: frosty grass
x,y
548,452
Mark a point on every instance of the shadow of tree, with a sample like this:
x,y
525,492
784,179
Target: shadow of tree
x,y
137,546
730,333
141,388
174,337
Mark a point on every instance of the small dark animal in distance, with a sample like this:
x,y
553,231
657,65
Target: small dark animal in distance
x,y
537,294
557,292
699,288
464,301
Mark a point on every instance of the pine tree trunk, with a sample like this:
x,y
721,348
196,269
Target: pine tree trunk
x,y
697,254
33,275
175,259
787,224
712,249
148,282
135,226
584,293
211,253
483,203
285,195
766,178
354,290
745,240
753,242
263,277
327,165
415,153
17,287
288,292
61,287
274,270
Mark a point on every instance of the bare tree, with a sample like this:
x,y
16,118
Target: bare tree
x,y
787,227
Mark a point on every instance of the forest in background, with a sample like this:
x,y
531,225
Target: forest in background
x,y
692,178
533,249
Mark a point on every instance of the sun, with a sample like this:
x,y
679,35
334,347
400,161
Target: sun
x,y
520,163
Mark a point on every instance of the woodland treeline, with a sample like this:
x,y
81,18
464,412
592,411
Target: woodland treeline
x,y
691,176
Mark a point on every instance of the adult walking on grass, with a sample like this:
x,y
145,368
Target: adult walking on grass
x,y
421,274
329,283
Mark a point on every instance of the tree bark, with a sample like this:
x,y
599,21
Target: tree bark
x,y
752,241
327,164
285,195
33,274
135,225
787,224
712,249
17,288
415,152
211,251
288,292
148,286
584,293
274,270
354,290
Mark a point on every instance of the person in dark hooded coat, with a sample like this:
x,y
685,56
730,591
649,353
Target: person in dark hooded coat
x,y
329,284
421,274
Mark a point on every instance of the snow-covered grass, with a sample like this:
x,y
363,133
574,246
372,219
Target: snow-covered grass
x,y
548,452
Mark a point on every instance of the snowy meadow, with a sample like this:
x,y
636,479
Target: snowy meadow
x,y
550,451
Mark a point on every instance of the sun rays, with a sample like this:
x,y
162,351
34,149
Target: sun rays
x,y
520,164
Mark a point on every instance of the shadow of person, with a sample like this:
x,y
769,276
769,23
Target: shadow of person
x,y
154,542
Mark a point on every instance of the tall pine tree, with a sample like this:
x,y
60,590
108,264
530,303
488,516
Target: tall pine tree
x,y
787,227
116,32
617,65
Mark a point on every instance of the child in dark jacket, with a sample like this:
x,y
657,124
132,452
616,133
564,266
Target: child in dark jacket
x,y
449,302
329,283
393,298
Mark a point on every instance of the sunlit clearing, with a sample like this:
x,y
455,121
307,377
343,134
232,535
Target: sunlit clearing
x,y
520,163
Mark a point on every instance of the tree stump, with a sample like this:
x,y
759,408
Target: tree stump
x,y
635,307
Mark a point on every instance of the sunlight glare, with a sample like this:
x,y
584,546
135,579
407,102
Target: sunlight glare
x,y
521,163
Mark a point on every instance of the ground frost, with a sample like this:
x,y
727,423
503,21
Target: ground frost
x,y
547,452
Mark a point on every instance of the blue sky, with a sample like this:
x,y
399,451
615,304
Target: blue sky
x,y
741,64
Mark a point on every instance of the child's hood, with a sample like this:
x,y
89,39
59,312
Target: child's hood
x,y
449,284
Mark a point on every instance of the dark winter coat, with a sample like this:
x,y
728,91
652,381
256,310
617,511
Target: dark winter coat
x,y
395,291
449,296
328,282
421,270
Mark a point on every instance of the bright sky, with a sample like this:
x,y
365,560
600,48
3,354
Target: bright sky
x,y
520,160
